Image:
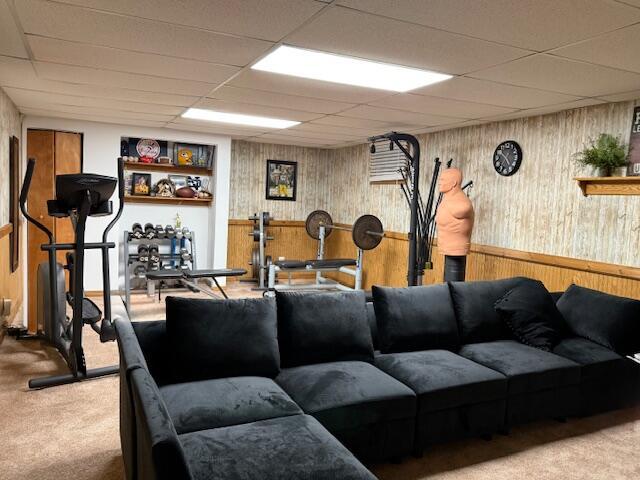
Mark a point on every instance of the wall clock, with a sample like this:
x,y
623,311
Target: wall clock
x,y
507,158
148,147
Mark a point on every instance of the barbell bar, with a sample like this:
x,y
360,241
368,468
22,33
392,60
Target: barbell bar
x,y
367,231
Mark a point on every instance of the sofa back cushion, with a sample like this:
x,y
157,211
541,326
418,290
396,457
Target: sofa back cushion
x,y
415,318
611,321
373,326
222,338
473,303
323,327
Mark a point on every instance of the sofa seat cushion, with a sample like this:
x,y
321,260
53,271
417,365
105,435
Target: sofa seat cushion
x,y
442,379
347,395
528,369
596,360
295,448
226,401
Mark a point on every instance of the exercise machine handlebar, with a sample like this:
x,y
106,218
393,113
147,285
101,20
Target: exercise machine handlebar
x,y
24,192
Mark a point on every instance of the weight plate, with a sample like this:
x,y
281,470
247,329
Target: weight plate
x,y
267,264
361,232
256,234
255,262
265,218
313,222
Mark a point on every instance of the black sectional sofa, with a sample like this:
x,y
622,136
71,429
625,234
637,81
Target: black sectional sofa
x,y
309,385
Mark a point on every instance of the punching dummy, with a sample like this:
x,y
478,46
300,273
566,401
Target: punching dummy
x,y
454,219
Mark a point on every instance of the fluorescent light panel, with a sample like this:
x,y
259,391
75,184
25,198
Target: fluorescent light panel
x,y
237,118
330,67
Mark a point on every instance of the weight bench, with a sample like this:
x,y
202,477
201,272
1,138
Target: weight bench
x,y
189,278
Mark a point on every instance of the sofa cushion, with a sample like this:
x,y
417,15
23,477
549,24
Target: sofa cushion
x,y
474,306
415,318
159,453
442,379
527,369
596,360
347,395
225,401
373,326
611,321
323,327
295,448
531,314
222,338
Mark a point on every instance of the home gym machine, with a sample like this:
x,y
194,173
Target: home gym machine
x,y
78,196
422,225
367,233
260,262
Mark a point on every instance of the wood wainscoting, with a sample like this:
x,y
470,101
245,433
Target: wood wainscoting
x,y
387,264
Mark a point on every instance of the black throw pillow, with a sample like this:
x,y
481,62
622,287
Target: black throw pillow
x,y
611,321
323,327
222,338
415,318
531,314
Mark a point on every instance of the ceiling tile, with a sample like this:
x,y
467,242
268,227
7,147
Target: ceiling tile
x,y
260,110
351,122
214,128
34,99
484,91
107,58
545,110
94,117
617,49
532,24
270,20
401,116
95,27
100,112
621,97
349,32
440,106
287,140
273,82
15,70
335,129
296,132
274,99
92,76
10,39
547,72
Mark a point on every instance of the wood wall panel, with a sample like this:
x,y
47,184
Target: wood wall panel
x,y
387,264
10,283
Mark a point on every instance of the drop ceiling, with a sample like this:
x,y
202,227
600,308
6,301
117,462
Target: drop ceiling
x,y
145,62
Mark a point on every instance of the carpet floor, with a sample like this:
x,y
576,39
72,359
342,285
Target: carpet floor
x,y
72,431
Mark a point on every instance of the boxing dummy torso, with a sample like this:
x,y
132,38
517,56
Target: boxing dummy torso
x,y
454,217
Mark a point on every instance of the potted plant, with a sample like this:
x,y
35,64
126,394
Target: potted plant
x,y
607,155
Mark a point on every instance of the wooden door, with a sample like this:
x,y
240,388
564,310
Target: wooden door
x,y
55,153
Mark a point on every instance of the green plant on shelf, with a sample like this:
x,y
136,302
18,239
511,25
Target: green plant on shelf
x,y
606,154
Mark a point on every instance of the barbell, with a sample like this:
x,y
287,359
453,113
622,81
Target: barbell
x,y
367,231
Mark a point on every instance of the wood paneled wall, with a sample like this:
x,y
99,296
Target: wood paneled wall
x,y
387,264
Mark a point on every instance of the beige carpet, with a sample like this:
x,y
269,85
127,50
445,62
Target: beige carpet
x,y
71,432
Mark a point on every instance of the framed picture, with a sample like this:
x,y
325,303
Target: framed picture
x,y
281,180
141,184
186,154
178,180
14,208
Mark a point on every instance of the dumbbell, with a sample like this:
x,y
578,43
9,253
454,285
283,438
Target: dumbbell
x,y
186,233
136,231
160,231
170,232
143,253
154,257
149,231
140,270
179,234
185,256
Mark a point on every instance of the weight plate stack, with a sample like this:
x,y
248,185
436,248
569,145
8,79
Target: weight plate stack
x,y
313,222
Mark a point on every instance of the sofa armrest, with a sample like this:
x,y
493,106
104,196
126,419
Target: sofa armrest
x,y
154,345
159,452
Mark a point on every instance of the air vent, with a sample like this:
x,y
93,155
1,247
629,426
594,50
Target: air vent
x,y
385,164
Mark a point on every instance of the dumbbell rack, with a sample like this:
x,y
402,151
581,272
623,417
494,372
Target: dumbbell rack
x,y
130,258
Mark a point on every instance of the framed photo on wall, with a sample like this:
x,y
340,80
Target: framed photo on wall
x,y
141,184
282,180
178,180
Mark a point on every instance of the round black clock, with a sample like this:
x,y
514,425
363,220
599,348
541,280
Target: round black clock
x,y
507,158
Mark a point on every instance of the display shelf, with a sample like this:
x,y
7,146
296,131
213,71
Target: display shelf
x,y
609,185
163,167
168,200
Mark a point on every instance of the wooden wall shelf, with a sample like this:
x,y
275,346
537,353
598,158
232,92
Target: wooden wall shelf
x,y
202,202
173,169
609,185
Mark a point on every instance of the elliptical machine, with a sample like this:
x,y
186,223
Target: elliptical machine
x,y
78,196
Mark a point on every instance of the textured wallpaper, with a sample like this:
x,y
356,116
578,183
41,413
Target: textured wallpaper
x,y
539,209
9,126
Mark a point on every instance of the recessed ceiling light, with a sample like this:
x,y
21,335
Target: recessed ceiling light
x,y
334,68
237,118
